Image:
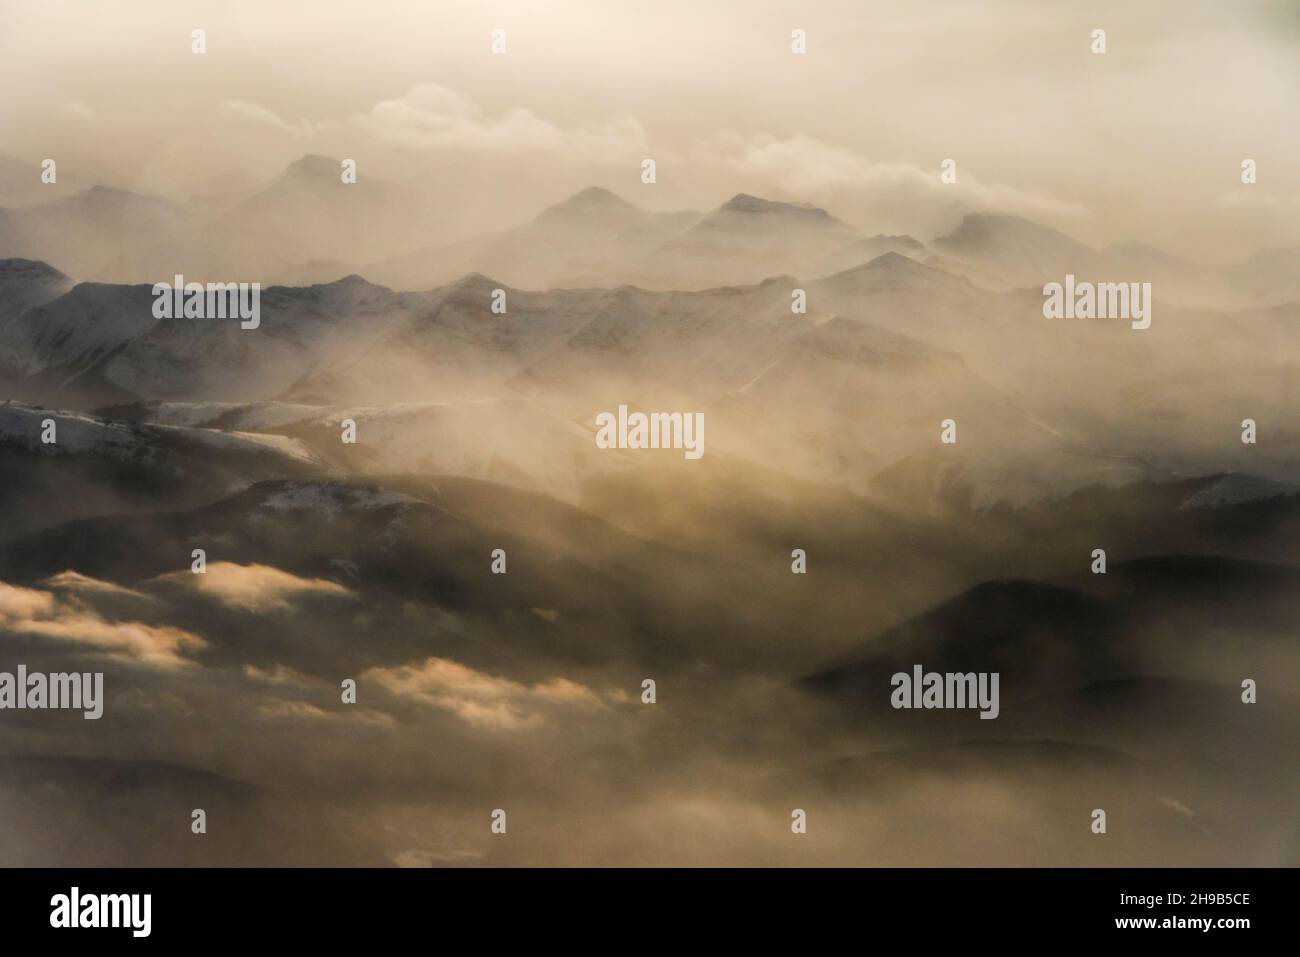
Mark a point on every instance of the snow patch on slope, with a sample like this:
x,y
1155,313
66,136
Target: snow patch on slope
x,y
333,498
1235,490
76,432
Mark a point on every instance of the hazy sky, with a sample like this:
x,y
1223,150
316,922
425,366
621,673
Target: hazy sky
x,y
1143,142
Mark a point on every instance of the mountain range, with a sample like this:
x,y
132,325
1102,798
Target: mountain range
x,y
307,226
394,480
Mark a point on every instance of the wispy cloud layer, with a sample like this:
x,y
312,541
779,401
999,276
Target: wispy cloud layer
x,y
67,615
433,117
253,587
484,700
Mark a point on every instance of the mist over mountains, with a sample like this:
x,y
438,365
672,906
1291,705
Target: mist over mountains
x,y
307,226
884,350
475,432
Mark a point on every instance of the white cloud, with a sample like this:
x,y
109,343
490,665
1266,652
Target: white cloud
x,y
66,616
254,113
484,700
278,674
432,117
76,582
805,166
287,709
253,587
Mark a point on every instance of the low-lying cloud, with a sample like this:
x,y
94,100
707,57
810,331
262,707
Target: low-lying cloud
x,y
483,700
68,616
805,166
257,588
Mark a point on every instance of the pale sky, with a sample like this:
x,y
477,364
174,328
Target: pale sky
x,y
1144,142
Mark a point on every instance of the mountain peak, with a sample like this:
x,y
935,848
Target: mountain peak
x,y
1010,251
352,285
29,269
901,239
107,200
313,166
745,203
597,195
475,284
897,262
110,194
981,227
592,202
888,264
